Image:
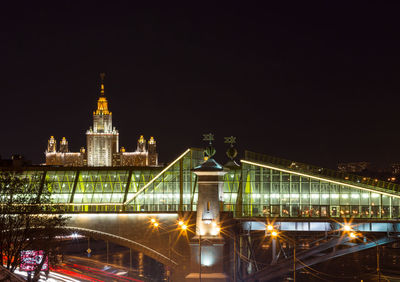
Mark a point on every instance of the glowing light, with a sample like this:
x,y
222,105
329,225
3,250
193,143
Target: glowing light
x,y
347,227
207,259
153,220
180,223
184,226
215,231
270,227
214,224
155,224
274,233
352,235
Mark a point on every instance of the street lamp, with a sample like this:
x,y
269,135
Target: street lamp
x,y
184,227
354,235
275,234
157,225
347,228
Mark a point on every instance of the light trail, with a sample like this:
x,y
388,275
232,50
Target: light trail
x,y
103,272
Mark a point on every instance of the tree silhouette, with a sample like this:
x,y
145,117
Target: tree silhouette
x,y
28,219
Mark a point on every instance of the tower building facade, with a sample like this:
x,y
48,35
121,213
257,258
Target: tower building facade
x,y
102,138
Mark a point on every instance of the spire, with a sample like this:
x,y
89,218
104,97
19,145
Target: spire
x,y
102,104
102,75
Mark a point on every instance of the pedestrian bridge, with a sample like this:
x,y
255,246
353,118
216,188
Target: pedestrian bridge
x,y
116,204
262,187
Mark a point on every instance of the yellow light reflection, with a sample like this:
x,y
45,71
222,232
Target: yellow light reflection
x,y
347,228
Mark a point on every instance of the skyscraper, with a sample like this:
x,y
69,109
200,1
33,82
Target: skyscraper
x,y
102,139
102,144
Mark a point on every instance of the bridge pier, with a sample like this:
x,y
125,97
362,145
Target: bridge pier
x,y
207,245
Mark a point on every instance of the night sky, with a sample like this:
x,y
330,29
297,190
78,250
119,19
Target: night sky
x,y
316,82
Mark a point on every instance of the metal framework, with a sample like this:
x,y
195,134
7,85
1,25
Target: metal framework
x,y
262,187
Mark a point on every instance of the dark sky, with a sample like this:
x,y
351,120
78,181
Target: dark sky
x,y
316,82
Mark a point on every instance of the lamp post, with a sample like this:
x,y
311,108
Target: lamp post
x,y
354,235
156,225
275,234
200,233
200,257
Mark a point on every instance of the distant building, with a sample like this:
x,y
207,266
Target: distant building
x,y
63,157
15,161
354,167
396,168
143,156
102,145
103,139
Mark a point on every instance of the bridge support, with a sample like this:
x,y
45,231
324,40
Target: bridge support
x,y
207,245
141,264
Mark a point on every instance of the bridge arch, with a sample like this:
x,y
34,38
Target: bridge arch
x,y
125,243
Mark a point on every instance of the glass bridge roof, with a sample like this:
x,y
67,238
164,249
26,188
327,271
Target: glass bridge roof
x,y
262,187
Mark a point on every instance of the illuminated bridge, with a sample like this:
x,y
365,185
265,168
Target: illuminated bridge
x,y
116,204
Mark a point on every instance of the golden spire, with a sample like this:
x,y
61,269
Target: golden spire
x,y
102,104
102,75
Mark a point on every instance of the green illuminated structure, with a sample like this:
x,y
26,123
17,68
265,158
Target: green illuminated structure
x,y
262,186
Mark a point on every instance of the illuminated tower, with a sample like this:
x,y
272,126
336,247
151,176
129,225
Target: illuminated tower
x,y
102,139
152,152
64,145
51,145
141,144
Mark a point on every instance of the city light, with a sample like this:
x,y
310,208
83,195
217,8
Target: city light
x,y
215,231
353,235
274,233
183,226
270,227
153,220
181,223
347,228
155,224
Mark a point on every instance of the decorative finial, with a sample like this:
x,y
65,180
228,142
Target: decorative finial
x,y
102,75
230,140
210,150
208,137
231,152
